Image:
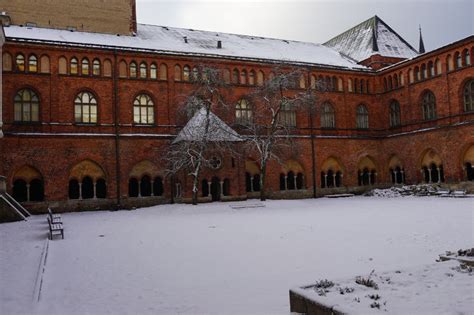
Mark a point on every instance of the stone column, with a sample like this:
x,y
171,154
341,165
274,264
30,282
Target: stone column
x,y
334,179
294,182
439,174
222,188
152,192
95,189
429,174
423,176
370,181
286,182
80,190
325,180
251,183
28,192
375,178
209,184
139,188
403,176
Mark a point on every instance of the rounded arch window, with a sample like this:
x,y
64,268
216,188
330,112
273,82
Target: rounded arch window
x,y
85,108
143,110
428,103
394,114
33,63
243,112
362,117
327,116
469,96
26,106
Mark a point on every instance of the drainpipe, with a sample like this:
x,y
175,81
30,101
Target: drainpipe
x,y
2,40
311,126
116,112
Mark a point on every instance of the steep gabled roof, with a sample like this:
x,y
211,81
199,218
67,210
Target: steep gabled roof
x,y
369,38
195,129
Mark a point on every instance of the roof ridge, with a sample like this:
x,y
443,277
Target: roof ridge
x,y
398,35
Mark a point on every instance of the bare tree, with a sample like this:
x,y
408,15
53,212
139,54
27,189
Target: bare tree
x,y
204,133
269,132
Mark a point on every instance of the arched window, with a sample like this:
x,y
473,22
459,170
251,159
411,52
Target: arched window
x,y
20,192
243,77
20,63
299,181
439,70
153,71
328,84
163,72
302,84
334,84
177,73
243,112
469,96
108,68
7,62
385,84
205,188
417,74
428,103
226,187
312,82
256,182
133,69
158,187
362,121
328,119
260,78
87,188
252,77
390,83
424,72
469,171
458,58
235,76
122,69
186,73
133,187
356,85
101,188
145,186
349,85
449,61
143,70
290,181
74,66
85,108
32,64
85,67
431,69
467,57
287,115
26,106
143,110
395,81
96,67
410,76
74,189
195,74
394,114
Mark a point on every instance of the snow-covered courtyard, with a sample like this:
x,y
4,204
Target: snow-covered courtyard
x,y
213,259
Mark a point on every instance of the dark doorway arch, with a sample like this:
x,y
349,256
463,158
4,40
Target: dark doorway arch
x,y
145,186
158,186
36,190
20,192
216,189
133,187
205,188
101,188
87,188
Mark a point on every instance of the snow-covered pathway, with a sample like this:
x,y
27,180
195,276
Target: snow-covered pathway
x,y
211,259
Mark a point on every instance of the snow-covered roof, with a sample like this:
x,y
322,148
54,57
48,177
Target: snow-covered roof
x,y
171,40
369,38
195,129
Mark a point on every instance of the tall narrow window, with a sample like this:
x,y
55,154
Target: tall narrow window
x,y
32,64
243,113
143,70
328,119
394,114
96,67
163,72
469,96
428,103
62,65
186,73
7,62
431,69
177,73
195,74
74,66
133,69
362,117
153,71
287,115
20,62
85,67
143,110
85,108
424,72
243,77
252,77
467,58
235,76
260,78
122,69
458,59
26,106
44,64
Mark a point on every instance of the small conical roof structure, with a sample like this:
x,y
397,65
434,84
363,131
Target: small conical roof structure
x,y
421,48
217,130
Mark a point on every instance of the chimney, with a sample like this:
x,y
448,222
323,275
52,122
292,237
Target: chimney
x,y
219,44
185,39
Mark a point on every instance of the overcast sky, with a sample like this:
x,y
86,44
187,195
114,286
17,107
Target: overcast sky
x,y
317,21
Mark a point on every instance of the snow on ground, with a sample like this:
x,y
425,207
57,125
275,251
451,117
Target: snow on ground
x,y
212,259
437,288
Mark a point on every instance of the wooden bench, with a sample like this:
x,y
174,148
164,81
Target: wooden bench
x,y
55,229
54,218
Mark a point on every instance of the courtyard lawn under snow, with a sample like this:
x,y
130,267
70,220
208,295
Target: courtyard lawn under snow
x,y
212,259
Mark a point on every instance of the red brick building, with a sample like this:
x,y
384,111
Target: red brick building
x,y
86,117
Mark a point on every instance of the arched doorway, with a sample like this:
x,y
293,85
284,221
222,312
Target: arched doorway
x,y
216,189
